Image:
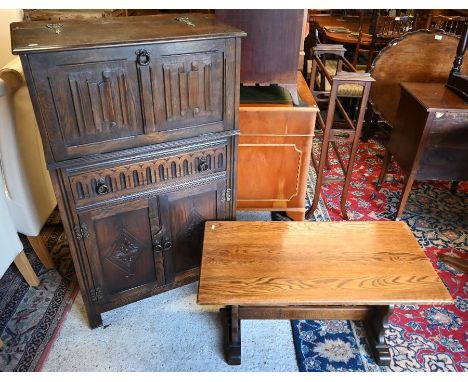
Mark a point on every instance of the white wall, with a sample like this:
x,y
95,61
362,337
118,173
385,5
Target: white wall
x,y
7,16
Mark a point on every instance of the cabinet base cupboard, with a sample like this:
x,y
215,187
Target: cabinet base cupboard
x,y
139,122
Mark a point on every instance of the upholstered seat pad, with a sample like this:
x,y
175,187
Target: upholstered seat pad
x,y
346,90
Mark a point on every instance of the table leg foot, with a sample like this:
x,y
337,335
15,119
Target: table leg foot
x,y
232,341
376,327
296,216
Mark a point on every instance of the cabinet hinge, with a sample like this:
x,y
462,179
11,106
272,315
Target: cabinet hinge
x,y
96,294
226,195
81,231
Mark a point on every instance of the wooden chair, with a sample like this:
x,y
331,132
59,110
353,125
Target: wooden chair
x,y
331,130
457,81
387,28
450,24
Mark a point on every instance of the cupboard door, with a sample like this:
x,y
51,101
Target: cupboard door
x,y
119,244
184,214
192,93
184,88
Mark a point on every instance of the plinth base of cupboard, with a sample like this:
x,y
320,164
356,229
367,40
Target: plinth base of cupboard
x,y
273,155
94,312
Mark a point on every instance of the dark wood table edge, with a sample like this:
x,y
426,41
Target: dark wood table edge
x,y
375,319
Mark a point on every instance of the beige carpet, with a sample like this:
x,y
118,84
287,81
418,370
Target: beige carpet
x,y
168,332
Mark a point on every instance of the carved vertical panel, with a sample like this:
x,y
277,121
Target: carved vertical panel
x,y
157,237
95,102
183,92
190,87
208,89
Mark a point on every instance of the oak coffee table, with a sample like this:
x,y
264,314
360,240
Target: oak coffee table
x,y
314,270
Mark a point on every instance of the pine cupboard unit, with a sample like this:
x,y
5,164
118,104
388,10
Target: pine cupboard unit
x,y
139,122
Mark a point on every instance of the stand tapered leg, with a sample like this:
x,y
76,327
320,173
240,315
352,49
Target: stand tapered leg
x,y
385,162
404,197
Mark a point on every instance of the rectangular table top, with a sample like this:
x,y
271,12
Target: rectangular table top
x,y
435,96
315,263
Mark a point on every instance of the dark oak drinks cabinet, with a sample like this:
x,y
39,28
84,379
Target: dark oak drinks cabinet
x,y
139,122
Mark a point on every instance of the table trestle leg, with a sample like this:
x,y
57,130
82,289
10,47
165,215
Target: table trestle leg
x,y
376,327
232,342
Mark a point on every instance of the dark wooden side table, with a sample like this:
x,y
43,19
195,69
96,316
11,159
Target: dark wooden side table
x,y
430,137
314,270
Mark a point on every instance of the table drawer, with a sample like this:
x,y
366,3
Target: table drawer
x,y
89,184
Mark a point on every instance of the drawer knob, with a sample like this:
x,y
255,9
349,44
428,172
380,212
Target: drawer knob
x,y
143,57
203,164
196,110
101,187
167,245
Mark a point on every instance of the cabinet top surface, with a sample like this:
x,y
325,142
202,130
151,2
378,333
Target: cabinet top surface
x,y
313,263
39,36
309,104
435,96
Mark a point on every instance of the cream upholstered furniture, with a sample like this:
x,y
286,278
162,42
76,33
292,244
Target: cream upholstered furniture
x,y
12,248
27,187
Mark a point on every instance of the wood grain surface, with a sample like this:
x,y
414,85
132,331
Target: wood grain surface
x,y
421,56
436,96
313,263
35,36
270,52
334,21
274,149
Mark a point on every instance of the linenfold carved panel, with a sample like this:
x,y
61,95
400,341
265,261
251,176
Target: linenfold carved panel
x,y
186,89
94,102
111,104
141,174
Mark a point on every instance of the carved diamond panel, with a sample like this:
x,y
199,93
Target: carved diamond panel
x,y
125,252
194,227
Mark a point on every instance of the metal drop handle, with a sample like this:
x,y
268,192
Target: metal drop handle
x,y
143,57
102,188
158,247
203,164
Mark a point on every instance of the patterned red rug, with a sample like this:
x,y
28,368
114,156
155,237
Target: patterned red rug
x,y
422,338
30,317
